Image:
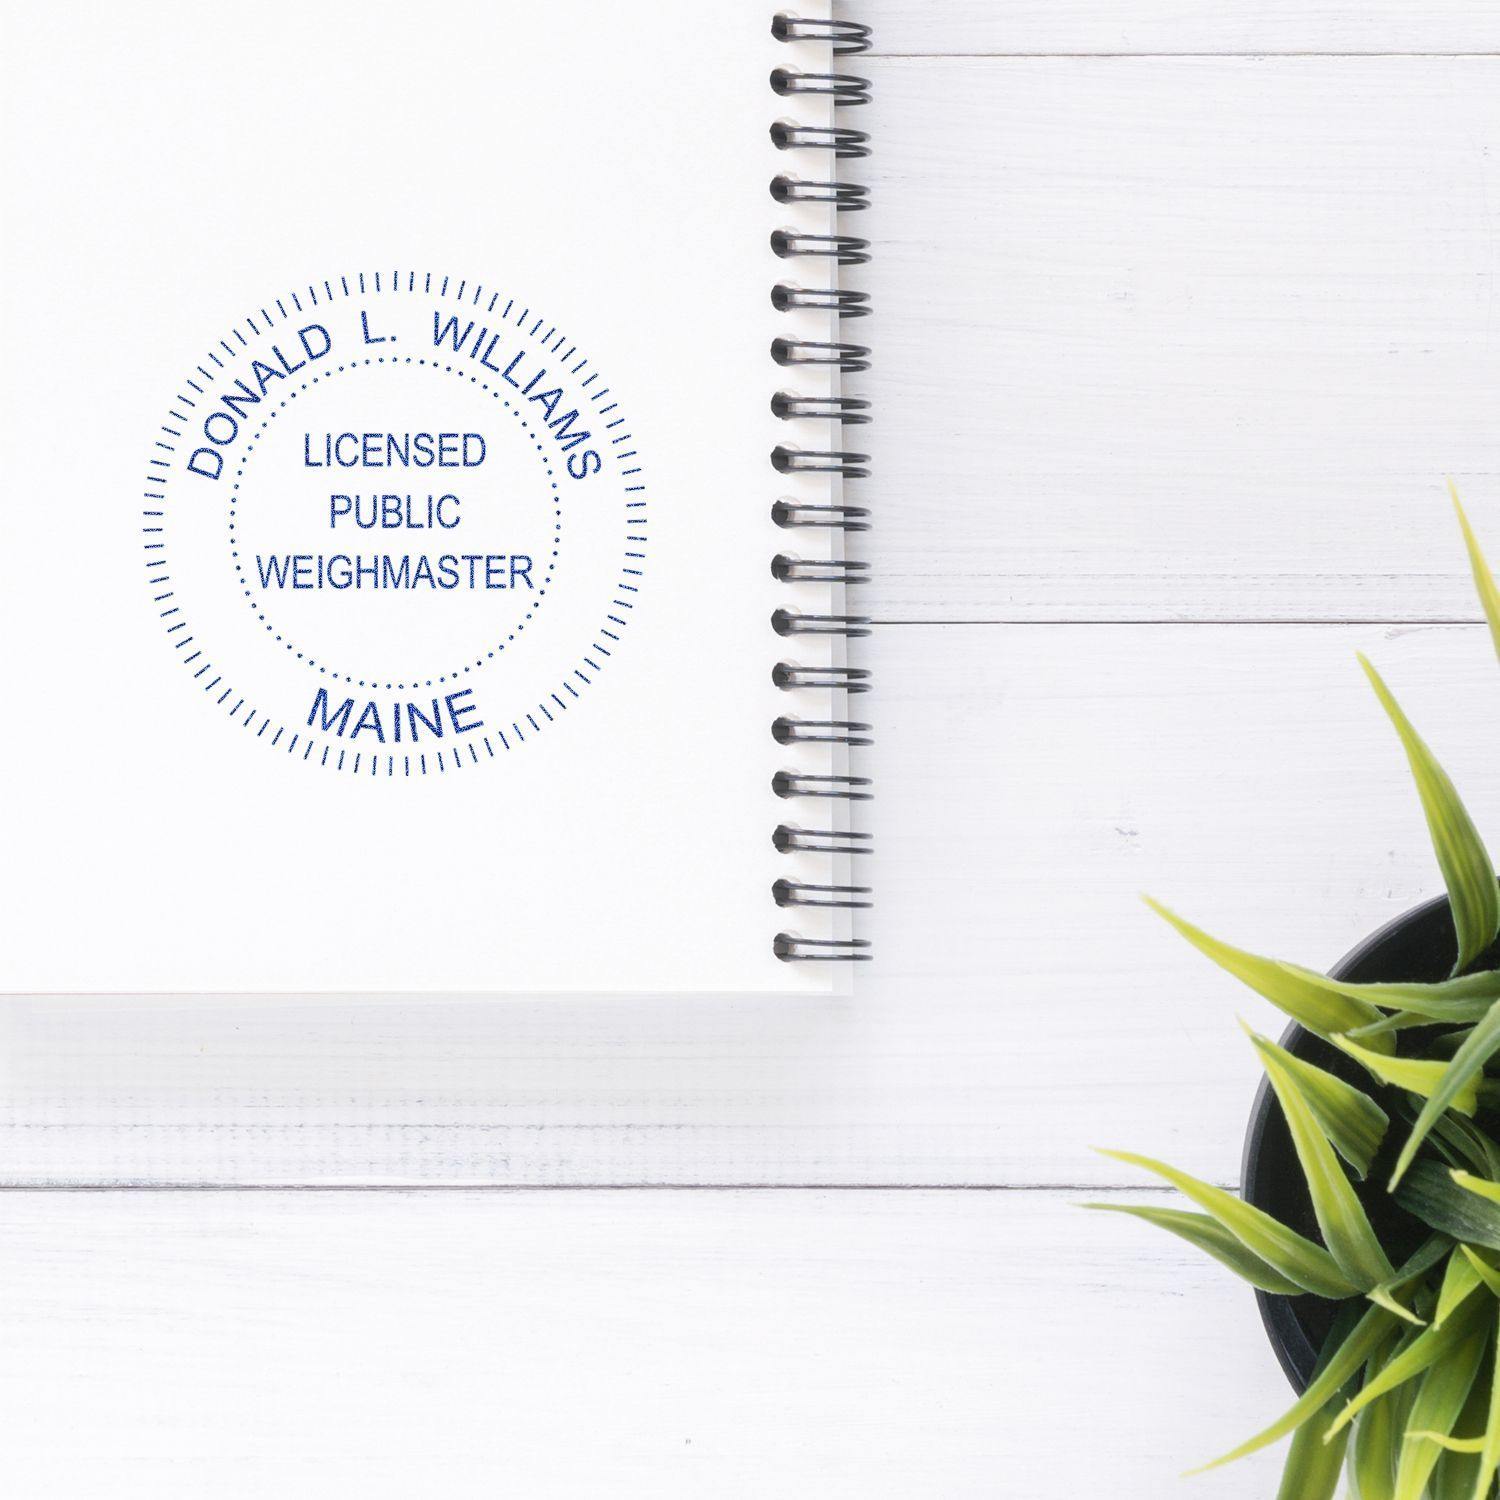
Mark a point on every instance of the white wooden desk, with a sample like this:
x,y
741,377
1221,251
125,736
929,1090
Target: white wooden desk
x,y
1184,313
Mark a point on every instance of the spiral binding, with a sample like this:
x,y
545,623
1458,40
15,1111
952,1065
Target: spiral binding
x,y
838,142
845,248
790,839
845,679
796,784
850,410
786,569
800,893
787,731
789,515
843,142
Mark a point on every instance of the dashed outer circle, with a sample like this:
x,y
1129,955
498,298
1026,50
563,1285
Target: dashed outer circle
x,y
620,459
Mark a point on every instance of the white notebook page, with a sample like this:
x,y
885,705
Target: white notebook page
x,y
297,303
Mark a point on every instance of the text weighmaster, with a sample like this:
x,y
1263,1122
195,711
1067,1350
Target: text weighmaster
x,y
394,508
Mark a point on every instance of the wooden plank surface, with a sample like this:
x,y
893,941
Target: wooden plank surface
x,y
1161,341
957,27
851,1346
1032,781
1181,339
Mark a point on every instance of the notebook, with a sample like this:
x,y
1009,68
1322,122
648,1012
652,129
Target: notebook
x,y
425,560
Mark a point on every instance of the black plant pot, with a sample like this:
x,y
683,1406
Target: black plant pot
x,y
1417,946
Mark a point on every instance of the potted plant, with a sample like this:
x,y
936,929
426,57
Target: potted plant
x,y
1370,1218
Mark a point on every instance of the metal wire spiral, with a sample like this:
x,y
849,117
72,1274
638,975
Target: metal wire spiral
x,y
847,36
839,139
790,516
845,88
844,788
814,950
787,731
801,893
787,674
819,461
788,622
789,839
849,410
844,248
835,142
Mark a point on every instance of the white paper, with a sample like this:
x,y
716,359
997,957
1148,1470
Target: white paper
x,y
510,731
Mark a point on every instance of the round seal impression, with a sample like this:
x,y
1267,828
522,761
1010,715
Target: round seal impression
x,y
395,524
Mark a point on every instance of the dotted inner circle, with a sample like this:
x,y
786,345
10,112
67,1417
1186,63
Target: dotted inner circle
x,y
456,672
504,729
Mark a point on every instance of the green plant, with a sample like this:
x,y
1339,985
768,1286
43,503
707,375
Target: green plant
x,y
1406,1393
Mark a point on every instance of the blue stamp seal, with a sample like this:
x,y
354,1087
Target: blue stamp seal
x,y
395,524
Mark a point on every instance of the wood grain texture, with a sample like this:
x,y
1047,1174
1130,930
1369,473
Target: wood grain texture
x,y
1181,339
850,1346
1032,781
956,27
1173,339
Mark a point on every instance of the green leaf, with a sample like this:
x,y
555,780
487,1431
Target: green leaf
x,y
1489,1453
1422,1259
1451,1002
1454,1148
1484,580
1317,1003
1397,1021
1459,1280
1468,1063
1428,1348
1311,1471
1461,855
1428,1254
1417,1075
1445,1389
1453,1479
1383,1296
1298,1259
1460,1001
1431,1195
1445,1042
1488,1151
1457,1470
1450,1444
1211,1237
1488,1273
1350,1118
1341,1216
1350,1355
1469,1141
1377,1438
1480,1185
